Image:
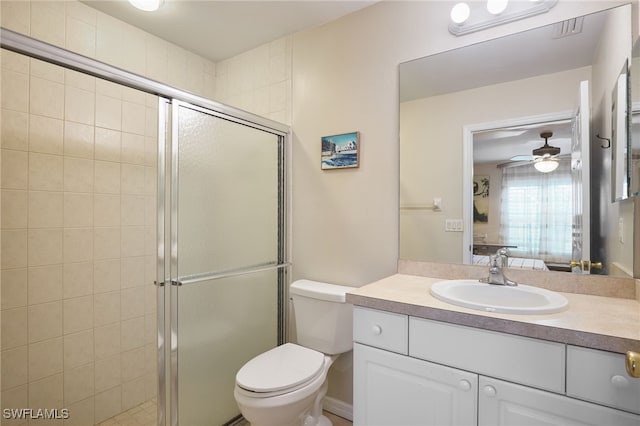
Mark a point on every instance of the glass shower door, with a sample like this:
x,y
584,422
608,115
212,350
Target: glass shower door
x,y
227,256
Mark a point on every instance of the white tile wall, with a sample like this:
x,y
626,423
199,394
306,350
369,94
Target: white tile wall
x,y
258,81
78,211
78,202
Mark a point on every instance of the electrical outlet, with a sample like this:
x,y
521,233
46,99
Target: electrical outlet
x,y
453,225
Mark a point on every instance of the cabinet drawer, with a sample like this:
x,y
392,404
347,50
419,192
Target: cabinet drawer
x,y
531,362
601,377
384,330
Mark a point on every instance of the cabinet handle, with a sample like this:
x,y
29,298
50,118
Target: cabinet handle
x,y
633,363
490,390
377,330
464,385
619,382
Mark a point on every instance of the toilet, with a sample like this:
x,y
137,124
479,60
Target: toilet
x,y
285,385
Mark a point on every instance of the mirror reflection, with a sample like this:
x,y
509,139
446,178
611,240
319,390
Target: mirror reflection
x,y
473,123
526,201
620,143
634,148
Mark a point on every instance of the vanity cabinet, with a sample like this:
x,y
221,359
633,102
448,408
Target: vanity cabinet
x,y
501,403
601,377
413,371
392,389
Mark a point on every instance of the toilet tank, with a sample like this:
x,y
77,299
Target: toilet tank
x,y
324,321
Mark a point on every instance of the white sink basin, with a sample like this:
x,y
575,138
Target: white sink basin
x,y
521,299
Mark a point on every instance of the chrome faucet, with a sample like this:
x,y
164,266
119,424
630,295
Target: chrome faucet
x,y
496,274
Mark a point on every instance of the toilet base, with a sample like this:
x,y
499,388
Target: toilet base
x,y
324,421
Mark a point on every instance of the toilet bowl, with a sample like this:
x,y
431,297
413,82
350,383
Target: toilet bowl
x,y
282,386
285,385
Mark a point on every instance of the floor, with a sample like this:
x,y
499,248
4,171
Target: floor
x,y
145,415
337,421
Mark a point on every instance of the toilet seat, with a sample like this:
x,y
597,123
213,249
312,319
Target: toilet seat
x,y
280,370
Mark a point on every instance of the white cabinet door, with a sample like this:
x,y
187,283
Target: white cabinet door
x,y
507,404
396,390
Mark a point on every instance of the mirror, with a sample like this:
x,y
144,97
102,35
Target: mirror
x,y
620,137
524,83
634,131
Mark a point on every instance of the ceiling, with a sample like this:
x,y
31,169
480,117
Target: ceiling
x,y
219,30
500,145
450,71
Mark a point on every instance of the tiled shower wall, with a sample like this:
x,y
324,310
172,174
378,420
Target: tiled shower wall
x,y
78,241
258,81
77,187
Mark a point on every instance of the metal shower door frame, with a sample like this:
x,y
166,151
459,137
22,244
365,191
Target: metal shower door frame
x,y
33,48
167,266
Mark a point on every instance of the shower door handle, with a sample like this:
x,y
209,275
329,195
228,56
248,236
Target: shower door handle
x,y
163,283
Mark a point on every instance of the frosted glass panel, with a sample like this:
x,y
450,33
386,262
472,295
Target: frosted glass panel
x,y
227,223
227,196
222,324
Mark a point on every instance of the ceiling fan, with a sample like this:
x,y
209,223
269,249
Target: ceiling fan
x,y
545,158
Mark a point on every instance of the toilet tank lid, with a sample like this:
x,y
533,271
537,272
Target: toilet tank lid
x,y
320,290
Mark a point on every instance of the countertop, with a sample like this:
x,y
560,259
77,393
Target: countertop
x,y
597,322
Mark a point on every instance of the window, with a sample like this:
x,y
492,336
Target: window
x,y
536,212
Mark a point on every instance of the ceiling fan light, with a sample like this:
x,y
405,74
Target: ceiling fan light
x,y
147,5
460,13
545,164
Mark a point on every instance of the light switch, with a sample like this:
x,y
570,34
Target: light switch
x,y
453,225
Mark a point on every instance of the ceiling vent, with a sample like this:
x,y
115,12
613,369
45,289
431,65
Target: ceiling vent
x,y
568,27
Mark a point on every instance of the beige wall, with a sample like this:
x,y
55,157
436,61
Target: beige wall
x,y
608,62
345,78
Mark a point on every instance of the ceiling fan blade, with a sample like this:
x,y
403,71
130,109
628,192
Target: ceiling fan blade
x,y
521,158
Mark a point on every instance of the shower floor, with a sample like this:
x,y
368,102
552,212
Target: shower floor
x,y
145,415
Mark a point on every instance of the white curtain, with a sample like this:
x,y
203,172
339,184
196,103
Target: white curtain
x,y
536,212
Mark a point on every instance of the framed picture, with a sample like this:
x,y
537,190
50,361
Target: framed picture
x,y
340,151
480,199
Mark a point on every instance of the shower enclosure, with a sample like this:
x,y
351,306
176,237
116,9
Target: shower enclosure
x,y
224,256
144,253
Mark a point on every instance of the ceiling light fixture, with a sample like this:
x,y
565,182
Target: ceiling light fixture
x,y
495,12
496,7
545,164
147,5
460,13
